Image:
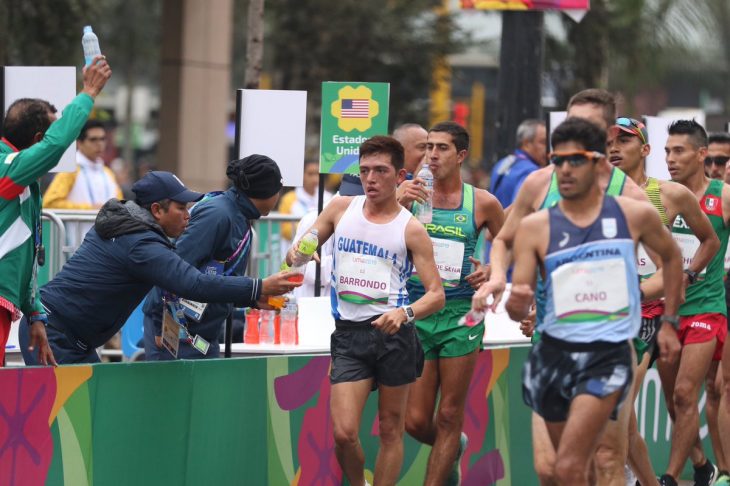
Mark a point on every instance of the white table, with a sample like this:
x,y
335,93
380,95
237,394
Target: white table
x,y
316,324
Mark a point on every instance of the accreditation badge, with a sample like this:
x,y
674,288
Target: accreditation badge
x,y
193,310
170,333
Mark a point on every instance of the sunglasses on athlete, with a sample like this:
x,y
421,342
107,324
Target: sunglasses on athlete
x,y
634,126
719,160
575,158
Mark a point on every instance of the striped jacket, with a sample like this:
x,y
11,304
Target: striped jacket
x,y
20,206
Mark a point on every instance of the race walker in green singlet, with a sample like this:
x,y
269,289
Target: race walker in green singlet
x,y
454,235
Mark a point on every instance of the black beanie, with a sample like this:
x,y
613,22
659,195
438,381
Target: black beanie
x,y
257,176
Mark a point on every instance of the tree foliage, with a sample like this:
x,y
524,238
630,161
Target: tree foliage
x,y
310,41
43,32
635,45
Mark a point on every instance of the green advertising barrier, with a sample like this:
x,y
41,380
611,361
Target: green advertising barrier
x,y
249,421
351,113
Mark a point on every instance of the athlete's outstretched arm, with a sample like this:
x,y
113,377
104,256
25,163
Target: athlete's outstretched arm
x,y
527,260
325,223
500,256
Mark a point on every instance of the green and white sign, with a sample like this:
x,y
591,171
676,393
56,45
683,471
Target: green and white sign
x,y
351,113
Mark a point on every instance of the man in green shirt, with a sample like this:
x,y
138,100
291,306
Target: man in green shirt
x,y
703,321
32,144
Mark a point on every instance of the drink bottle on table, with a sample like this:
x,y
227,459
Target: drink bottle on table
x,y
252,326
289,323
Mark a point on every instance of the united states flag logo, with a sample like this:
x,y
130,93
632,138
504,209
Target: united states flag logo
x,y
355,108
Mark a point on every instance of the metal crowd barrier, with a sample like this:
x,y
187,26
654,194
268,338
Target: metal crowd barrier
x,y
68,227
65,231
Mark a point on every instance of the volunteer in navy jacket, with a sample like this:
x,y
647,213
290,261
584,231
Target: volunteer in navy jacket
x,y
217,240
127,253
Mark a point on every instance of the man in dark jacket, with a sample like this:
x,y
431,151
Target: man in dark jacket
x,y
126,254
217,240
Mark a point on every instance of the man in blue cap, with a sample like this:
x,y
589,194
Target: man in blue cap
x,y
217,240
126,254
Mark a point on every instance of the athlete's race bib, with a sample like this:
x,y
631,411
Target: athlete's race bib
x,y
688,245
449,256
586,292
644,264
363,279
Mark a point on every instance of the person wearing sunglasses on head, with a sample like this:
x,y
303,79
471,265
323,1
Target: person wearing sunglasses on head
x,y
628,147
718,154
580,371
703,322
540,190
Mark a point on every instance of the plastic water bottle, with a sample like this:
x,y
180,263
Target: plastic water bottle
x,y
289,323
90,43
267,328
472,318
307,247
425,210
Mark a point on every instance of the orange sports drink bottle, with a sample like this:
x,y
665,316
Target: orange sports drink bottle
x,y
277,301
252,326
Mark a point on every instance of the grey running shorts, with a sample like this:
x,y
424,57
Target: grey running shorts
x,y
557,371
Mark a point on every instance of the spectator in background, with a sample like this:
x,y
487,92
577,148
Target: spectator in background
x,y
413,138
300,200
718,154
33,144
92,184
510,172
123,173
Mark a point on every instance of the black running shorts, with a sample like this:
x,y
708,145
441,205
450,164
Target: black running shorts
x,y
360,351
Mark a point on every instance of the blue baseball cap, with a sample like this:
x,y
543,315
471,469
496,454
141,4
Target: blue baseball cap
x,y
158,185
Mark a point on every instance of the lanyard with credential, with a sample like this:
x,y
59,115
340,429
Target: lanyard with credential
x,y
239,254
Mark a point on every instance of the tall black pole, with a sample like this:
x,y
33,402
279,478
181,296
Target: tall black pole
x,y
520,75
237,144
320,206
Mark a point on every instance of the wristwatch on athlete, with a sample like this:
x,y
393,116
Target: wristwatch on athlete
x,y
410,315
673,320
692,276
